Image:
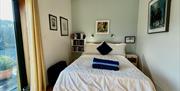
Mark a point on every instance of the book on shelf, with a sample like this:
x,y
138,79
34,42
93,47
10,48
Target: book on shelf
x,y
78,49
78,42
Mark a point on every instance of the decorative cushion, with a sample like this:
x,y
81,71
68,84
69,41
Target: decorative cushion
x,y
104,48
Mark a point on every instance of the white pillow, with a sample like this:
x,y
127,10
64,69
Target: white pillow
x,y
90,48
117,49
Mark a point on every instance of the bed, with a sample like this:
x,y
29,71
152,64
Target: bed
x,y
80,76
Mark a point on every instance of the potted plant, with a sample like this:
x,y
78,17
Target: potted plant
x,y
6,66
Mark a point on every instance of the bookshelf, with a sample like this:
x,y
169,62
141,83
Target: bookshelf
x,y
77,41
77,45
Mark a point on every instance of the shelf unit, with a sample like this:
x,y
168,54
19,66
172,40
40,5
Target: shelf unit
x,y
133,58
78,44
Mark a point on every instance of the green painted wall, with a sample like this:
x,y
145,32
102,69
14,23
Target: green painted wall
x,y
159,53
122,14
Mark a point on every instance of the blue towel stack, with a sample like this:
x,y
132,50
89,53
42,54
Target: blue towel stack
x,y
105,64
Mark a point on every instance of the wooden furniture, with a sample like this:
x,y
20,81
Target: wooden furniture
x,y
77,45
77,42
133,58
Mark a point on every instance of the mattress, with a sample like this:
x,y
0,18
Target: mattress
x,y
80,76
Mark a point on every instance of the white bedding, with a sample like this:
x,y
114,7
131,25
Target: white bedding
x,y
80,76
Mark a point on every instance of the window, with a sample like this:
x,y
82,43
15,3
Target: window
x,y
11,47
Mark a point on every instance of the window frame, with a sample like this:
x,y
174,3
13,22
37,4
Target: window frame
x,y
19,45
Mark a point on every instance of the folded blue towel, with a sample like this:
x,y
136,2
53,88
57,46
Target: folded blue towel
x,y
105,64
105,61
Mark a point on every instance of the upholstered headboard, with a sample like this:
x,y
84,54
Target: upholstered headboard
x,y
118,48
106,42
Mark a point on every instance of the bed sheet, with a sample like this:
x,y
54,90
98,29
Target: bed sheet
x,y
80,76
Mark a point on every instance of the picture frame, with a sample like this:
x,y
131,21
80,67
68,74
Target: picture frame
x,y
102,27
158,16
130,39
53,22
64,26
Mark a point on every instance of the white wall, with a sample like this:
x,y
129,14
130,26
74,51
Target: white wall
x,y
55,46
122,14
160,53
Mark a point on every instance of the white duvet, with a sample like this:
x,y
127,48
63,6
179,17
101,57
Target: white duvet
x,y
80,76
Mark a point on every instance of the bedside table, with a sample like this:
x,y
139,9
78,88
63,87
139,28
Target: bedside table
x,y
133,58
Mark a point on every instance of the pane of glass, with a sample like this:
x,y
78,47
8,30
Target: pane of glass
x,y
8,55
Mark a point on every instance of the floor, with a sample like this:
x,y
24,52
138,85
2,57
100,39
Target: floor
x,y
49,88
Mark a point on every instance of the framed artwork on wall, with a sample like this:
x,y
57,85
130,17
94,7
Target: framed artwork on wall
x,y
130,39
102,27
64,26
52,22
159,15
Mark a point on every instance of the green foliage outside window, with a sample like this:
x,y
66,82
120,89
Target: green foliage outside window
x,y
6,63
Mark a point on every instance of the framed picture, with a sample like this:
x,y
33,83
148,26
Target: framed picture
x,y
52,22
158,17
130,39
102,27
64,26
